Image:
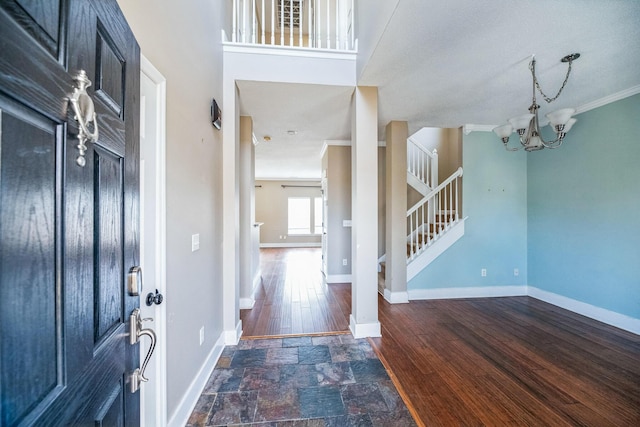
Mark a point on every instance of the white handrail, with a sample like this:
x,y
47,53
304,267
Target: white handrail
x,y
321,24
433,215
422,164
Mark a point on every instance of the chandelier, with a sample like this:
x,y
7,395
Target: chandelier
x,y
528,126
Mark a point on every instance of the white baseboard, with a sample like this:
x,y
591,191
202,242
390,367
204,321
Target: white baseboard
x,y
337,278
291,245
603,315
396,297
233,337
609,317
469,292
249,302
257,279
364,330
190,398
246,303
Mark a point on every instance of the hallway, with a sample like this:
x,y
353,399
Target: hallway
x,y
293,299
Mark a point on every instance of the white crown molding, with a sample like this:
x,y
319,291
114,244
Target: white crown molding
x,y
634,90
337,142
468,128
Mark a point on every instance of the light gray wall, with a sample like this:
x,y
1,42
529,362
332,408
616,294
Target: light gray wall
x,y
337,163
271,209
182,40
372,17
247,206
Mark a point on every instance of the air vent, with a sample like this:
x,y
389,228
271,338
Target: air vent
x,y
289,13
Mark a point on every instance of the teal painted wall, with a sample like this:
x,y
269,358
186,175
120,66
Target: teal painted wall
x,y
584,211
495,200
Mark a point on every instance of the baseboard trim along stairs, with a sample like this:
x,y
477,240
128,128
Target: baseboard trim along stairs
x,y
437,248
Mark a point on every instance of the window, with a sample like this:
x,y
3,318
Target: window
x,y
302,213
317,215
289,12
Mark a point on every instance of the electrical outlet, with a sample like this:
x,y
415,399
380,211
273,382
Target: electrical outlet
x,y
344,261
516,272
483,272
201,335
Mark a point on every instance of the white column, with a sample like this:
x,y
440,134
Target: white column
x,y
230,213
364,213
396,219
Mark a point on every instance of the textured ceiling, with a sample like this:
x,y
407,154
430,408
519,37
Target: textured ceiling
x,y
447,64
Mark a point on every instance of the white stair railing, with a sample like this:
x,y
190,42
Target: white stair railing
x,y
432,216
319,24
422,164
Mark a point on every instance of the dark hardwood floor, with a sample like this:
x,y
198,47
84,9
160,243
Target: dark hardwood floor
x,y
510,361
293,299
468,362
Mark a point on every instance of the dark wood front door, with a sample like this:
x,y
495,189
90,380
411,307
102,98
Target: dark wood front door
x,y
68,233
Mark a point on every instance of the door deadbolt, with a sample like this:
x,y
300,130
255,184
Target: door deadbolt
x,y
156,298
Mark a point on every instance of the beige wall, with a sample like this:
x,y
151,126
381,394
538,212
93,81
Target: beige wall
x,y
271,209
336,161
182,40
382,211
448,142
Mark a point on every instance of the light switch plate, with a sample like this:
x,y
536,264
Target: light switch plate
x,y
195,242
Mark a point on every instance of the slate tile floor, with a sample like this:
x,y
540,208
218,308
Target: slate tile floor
x,y
300,382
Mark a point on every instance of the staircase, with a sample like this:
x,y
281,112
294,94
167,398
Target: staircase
x,y
434,222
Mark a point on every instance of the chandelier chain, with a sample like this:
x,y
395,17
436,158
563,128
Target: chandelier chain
x,y
532,67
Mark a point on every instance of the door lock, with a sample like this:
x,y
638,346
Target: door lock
x,y
156,298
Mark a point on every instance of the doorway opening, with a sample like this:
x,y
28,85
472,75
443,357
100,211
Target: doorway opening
x,y
293,297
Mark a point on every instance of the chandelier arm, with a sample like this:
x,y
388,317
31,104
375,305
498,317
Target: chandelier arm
x,y
533,124
552,144
532,67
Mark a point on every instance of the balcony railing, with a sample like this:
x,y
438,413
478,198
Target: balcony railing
x,y
315,24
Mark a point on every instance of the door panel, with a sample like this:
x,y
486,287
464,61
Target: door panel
x,y
28,236
109,292
41,19
68,234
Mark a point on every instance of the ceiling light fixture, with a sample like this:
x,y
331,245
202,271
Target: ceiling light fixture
x,y
527,125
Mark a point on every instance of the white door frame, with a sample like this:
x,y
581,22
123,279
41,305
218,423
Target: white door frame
x,y
157,397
